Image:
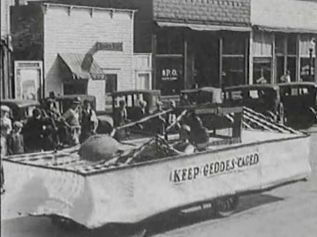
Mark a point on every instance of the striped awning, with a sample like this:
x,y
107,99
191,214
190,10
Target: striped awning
x,y
82,66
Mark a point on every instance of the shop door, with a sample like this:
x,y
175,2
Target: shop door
x,y
206,59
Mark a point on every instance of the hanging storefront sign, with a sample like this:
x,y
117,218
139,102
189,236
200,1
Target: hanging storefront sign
x,y
28,80
110,46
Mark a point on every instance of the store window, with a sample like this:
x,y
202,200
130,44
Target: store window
x,y
143,81
262,70
233,71
286,56
262,57
307,57
170,79
75,88
170,41
233,59
111,83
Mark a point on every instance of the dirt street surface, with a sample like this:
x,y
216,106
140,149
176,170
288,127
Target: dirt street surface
x,y
286,211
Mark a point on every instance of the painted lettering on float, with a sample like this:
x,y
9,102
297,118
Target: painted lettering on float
x,y
214,168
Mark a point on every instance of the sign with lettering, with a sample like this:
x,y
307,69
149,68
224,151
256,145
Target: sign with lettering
x,y
169,75
235,164
109,46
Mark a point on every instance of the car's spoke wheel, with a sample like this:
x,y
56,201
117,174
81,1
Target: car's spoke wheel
x,y
225,206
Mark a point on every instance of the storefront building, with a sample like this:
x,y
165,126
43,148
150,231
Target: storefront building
x,y
283,39
6,82
200,43
84,49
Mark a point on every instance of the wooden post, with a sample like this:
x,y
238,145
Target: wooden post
x,y
251,58
220,62
298,53
154,46
285,54
273,62
185,61
246,60
315,61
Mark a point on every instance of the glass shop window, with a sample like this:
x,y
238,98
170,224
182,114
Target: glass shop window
x,y
111,83
170,41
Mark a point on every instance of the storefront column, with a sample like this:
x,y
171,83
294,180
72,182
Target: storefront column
x,y
316,58
246,61
273,62
185,67
298,53
285,54
251,58
220,62
154,45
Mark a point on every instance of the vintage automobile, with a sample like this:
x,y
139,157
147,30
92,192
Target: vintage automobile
x,y
132,97
149,176
204,95
263,98
300,103
20,109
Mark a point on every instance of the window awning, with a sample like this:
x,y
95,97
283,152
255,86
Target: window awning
x,y
204,27
82,66
285,29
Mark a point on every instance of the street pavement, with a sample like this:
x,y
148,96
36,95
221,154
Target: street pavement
x,y
286,211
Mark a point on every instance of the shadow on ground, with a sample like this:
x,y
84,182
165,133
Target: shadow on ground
x,y
43,227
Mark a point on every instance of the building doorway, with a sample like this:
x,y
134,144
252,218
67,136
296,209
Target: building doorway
x,y
205,58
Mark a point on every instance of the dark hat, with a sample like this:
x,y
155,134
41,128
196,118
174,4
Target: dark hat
x,y
36,112
76,100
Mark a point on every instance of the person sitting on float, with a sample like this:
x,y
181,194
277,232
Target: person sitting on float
x,y
184,144
199,136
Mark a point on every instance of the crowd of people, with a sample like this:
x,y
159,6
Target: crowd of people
x,y
47,128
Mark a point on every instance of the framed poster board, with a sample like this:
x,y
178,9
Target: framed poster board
x,y
28,78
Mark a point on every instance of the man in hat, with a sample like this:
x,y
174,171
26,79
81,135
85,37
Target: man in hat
x,y
15,140
89,121
72,120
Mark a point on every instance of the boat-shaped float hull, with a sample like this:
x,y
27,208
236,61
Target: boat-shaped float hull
x,y
135,192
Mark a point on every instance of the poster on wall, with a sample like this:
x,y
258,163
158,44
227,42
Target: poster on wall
x,y
28,80
170,78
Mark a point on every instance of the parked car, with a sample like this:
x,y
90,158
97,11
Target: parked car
x,y
263,98
132,97
204,95
20,109
300,102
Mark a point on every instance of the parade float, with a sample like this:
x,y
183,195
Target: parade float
x,y
146,176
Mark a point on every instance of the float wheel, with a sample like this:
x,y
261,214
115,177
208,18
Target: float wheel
x,y
225,206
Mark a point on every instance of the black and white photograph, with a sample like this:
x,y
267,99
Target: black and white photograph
x,y
158,118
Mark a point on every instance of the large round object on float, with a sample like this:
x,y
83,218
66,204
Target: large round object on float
x,y
99,147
